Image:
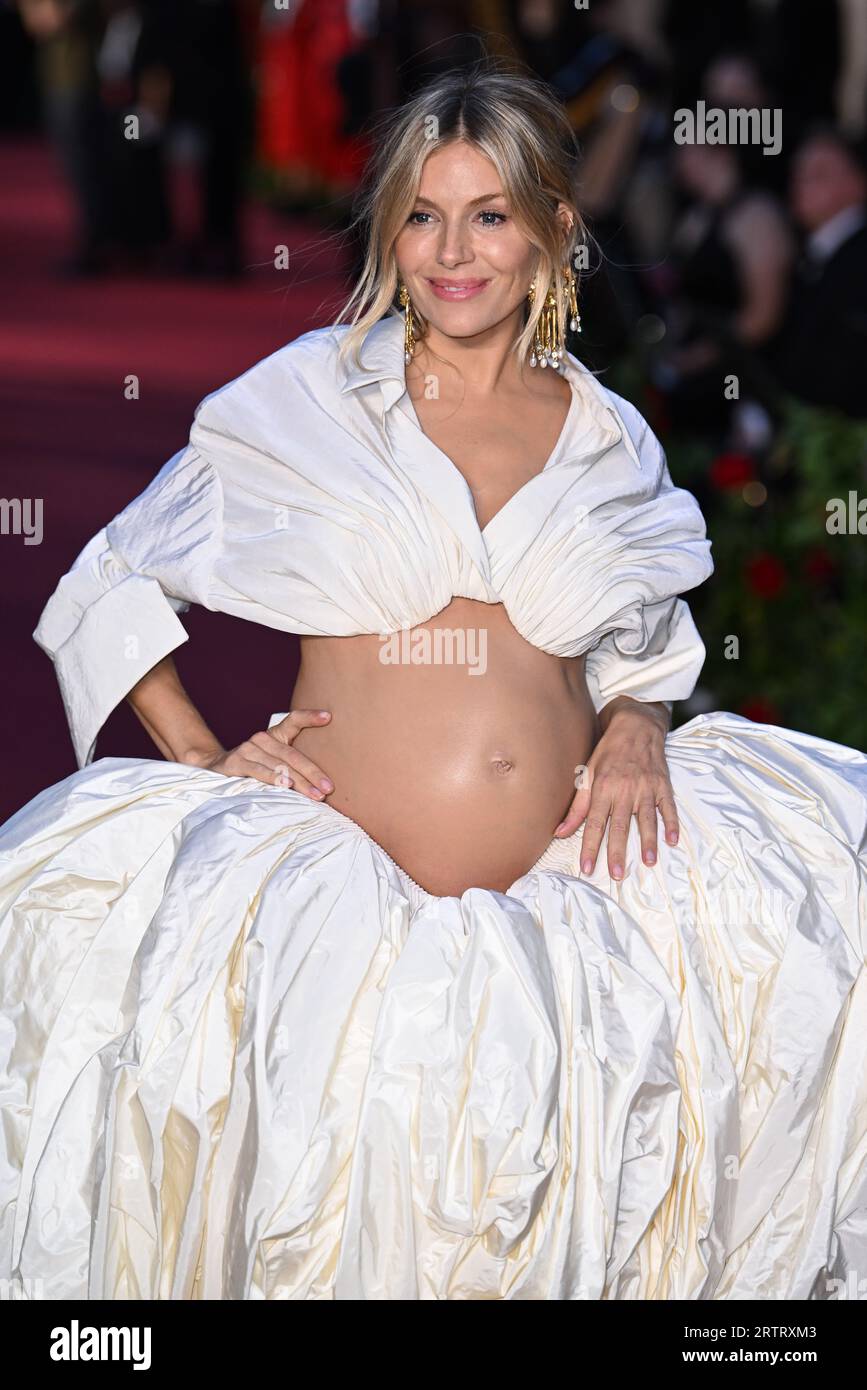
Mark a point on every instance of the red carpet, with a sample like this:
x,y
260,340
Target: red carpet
x,y
70,437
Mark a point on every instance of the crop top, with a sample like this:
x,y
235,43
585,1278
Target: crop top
x,y
309,499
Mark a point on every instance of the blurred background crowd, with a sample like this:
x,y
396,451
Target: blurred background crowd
x,y
155,152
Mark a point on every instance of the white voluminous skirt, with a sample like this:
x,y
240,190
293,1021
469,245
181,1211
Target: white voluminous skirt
x,y
244,1056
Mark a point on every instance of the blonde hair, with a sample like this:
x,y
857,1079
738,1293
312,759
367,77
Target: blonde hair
x,y
515,121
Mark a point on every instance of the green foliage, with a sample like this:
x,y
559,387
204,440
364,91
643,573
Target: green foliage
x,y
802,645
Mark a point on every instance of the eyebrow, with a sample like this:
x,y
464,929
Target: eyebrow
x,y
485,198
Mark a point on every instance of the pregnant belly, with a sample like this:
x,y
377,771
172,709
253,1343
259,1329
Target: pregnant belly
x,y
454,747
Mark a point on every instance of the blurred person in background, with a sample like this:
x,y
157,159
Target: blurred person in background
x,y
822,355
68,34
801,45
314,94
135,85
851,82
106,90
731,257
696,34
201,44
19,98
541,33
723,283
118,77
736,80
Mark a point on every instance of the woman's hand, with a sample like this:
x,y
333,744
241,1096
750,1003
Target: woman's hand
x,y
270,757
626,776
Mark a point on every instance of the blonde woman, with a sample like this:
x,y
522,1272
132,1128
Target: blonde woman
x,y
464,978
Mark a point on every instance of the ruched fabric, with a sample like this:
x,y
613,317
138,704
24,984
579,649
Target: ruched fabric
x,y
243,1055
115,614
309,499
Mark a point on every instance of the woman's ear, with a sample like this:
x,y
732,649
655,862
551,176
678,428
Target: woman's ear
x,y
566,218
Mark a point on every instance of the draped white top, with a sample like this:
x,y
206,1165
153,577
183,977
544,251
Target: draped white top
x,y
309,499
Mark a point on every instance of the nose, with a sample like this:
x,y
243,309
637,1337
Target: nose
x,y
453,248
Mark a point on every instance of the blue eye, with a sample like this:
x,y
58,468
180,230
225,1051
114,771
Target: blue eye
x,y
498,218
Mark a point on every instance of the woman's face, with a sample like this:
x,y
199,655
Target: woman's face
x,y
466,263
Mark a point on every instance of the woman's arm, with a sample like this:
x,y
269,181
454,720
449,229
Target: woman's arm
x,y
170,717
760,239
181,734
626,776
659,710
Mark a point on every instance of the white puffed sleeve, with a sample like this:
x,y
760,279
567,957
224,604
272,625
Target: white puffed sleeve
x,y
665,670
115,614
653,651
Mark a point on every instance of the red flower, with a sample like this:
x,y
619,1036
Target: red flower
x,y
761,711
731,471
818,565
766,575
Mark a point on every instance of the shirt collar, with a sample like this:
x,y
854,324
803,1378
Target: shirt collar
x,y
382,353
827,239
383,361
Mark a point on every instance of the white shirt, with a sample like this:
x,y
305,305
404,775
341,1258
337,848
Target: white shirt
x,y
309,499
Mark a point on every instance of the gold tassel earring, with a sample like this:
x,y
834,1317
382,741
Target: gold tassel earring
x,y
549,342
408,325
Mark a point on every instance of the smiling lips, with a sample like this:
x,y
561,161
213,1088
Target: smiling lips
x,y
457,289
